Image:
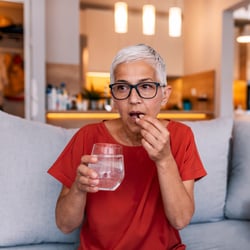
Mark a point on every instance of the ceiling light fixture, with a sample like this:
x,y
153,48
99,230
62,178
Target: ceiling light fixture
x,y
244,37
121,17
174,22
148,19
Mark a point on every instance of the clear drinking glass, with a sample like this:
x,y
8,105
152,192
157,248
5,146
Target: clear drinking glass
x,y
110,165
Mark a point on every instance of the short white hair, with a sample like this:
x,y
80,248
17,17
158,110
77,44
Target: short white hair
x,y
140,52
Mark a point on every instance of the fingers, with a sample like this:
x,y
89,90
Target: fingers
x,y
153,131
86,178
155,137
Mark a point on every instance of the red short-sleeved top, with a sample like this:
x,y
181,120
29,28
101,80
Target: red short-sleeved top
x,y
131,217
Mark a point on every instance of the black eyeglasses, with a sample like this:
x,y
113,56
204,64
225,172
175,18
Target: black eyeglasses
x,y
146,90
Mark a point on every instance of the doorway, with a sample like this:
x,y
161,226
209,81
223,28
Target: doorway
x,y
227,61
242,59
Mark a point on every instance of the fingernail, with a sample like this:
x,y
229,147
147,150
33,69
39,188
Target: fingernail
x,y
95,182
94,175
95,189
94,159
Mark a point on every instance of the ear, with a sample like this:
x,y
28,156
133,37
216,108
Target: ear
x,y
166,94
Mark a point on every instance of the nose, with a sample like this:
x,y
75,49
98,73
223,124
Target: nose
x,y
134,96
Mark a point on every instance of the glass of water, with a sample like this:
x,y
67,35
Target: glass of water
x,y
109,165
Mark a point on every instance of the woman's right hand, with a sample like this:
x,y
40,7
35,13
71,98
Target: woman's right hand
x,y
86,178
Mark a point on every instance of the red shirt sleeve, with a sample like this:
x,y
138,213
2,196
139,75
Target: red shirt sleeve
x,y
64,168
185,151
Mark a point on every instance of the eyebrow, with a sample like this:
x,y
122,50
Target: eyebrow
x,y
122,81
146,80
141,80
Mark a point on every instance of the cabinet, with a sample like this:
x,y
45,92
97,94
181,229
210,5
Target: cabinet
x,y
197,90
34,58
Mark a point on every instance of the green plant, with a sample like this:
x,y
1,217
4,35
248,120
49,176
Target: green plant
x,y
91,94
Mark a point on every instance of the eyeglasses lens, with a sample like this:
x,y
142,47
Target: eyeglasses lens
x,y
146,90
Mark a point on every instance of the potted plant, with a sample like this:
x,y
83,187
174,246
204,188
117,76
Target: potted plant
x,y
92,95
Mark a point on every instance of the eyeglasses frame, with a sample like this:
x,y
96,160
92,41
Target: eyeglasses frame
x,y
157,84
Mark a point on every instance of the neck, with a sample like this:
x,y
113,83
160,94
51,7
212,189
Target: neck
x,y
122,134
129,138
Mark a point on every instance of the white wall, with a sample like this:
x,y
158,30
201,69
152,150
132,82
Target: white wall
x,y
62,31
203,30
203,33
103,43
57,21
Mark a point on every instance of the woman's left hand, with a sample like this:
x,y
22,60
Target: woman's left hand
x,y
155,138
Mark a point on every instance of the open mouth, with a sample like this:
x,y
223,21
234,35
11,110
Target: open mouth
x,y
135,114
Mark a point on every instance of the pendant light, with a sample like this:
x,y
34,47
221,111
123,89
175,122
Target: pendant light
x,y
121,17
148,19
174,22
245,36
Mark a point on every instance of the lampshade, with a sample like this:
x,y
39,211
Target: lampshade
x,y
121,17
245,36
174,22
148,19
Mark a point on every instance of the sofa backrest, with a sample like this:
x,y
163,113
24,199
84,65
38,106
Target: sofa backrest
x,y
213,142
238,197
28,194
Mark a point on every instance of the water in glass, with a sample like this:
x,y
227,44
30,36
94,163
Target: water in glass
x,y
110,166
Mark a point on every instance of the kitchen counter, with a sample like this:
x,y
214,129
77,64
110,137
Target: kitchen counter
x,y
76,119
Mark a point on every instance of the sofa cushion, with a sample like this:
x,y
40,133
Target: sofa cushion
x,y
221,235
213,139
28,193
238,199
54,246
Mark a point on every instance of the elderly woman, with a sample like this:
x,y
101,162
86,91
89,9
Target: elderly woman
x,y
156,197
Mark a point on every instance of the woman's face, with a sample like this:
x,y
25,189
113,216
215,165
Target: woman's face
x,y
130,108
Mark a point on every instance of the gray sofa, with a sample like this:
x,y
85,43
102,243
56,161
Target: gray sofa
x,y
28,194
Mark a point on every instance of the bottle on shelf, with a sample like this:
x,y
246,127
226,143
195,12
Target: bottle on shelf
x,y
51,95
57,97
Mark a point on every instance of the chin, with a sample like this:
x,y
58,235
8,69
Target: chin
x,y
130,124
134,128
